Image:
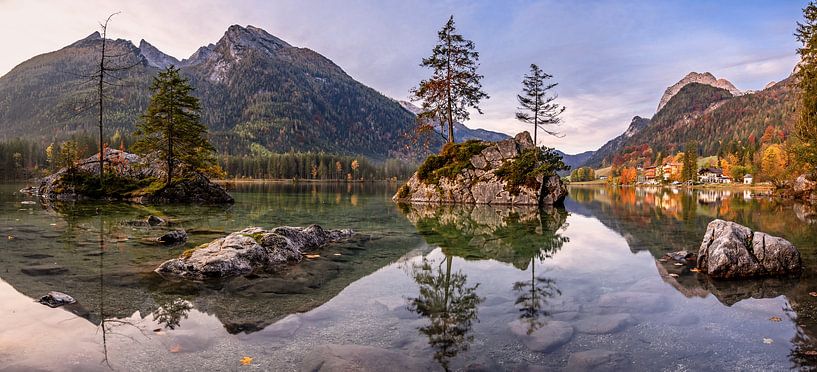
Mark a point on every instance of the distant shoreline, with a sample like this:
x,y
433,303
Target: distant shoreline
x,y
711,186
289,180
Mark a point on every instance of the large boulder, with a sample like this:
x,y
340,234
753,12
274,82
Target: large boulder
x,y
133,177
244,251
730,250
804,187
476,181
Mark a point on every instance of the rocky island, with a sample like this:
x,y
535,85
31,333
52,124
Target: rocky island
x,y
129,177
508,172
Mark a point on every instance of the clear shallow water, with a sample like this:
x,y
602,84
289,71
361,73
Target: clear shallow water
x,y
444,287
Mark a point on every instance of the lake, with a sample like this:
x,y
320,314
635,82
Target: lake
x,y
419,287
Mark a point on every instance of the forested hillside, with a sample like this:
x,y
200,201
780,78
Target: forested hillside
x,y
258,93
708,116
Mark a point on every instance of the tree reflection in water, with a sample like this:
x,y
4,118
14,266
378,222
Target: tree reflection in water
x,y
537,239
517,235
449,304
170,313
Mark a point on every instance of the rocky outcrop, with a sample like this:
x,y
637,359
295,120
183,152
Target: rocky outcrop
x,y
133,174
730,250
173,237
478,183
695,77
804,188
252,248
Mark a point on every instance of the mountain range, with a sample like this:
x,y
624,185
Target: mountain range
x,y
708,111
258,93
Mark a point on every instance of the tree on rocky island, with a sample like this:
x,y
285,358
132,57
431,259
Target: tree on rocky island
x,y
806,127
539,108
454,86
172,126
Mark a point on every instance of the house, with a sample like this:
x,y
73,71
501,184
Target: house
x,y
747,179
649,175
672,170
712,175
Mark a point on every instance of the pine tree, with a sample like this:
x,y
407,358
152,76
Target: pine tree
x,y
454,85
690,162
806,126
172,125
540,110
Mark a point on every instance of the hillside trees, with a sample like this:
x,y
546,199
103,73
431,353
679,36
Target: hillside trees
x,y
583,174
806,125
454,87
172,125
538,107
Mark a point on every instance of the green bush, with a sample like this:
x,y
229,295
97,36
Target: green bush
x,y
113,186
452,160
530,164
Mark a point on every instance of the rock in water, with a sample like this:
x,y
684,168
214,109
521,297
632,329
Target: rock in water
x,y
474,180
56,299
551,335
155,221
334,357
244,251
730,250
173,237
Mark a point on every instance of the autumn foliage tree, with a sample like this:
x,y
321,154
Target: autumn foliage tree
x,y
454,87
628,176
773,164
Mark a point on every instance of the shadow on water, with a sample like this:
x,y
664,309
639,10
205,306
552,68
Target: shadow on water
x,y
662,220
520,236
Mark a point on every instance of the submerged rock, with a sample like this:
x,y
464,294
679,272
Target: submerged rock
x,y
475,181
604,324
155,221
56,299
244,251
730,250
551,335
596,360
362,358
173,237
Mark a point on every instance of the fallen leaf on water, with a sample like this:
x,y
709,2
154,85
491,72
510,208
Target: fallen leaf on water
x,y
313,256
810,352
776,319
245,361
812,294
176,348
11,237
767,341
673,275
337,254
695,270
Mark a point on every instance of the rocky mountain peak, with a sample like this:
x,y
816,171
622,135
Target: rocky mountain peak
x,y
155,57
696,77
238,39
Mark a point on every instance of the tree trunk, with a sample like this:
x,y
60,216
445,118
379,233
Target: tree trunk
x,y
448,88
170,151
101,77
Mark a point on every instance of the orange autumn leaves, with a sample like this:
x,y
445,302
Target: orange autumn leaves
x,y
628,176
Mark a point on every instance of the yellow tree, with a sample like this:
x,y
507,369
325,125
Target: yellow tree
x,y
773,165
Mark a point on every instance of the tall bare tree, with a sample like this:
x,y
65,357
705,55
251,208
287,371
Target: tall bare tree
x,y
540,110
454,85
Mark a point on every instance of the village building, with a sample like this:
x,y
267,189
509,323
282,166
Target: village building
x,y
747,179
672,170
712,175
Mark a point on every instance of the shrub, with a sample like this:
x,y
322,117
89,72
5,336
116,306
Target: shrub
x,y
525,168
452,160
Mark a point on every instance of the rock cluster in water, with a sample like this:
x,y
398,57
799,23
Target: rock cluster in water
x,y
804,188
730,250
189,186
478,183
252,248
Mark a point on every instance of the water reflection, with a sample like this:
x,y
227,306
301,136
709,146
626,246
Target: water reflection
x,y
662,220
517,235
449,304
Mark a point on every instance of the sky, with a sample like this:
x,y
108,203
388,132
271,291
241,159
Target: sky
x,y
612,59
